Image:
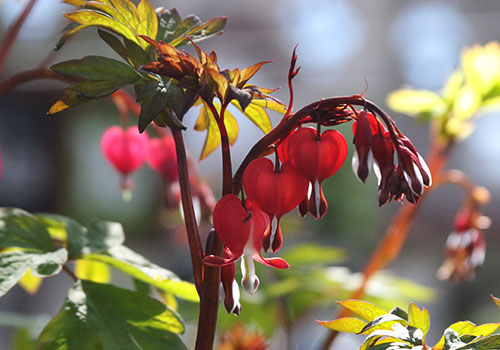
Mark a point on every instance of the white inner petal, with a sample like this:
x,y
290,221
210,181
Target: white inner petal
x,y
317,197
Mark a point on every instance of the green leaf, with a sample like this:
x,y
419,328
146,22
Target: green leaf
x,y
168,21
13,265
98,236
153,99
488,343
418,318
363,309
313,254
96,68
130,51
142,269
414,102
21,229
197,32
257,115
101,316
452,340
344,324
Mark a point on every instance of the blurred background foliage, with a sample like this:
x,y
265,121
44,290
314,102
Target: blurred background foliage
x,y
54,164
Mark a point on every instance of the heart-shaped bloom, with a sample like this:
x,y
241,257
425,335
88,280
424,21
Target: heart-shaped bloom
x,y
317,158
126,150
241,230
276,191
163,158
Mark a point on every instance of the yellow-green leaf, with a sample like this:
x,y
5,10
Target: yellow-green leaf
x,y
269,104
481,66
94,271
483,330
257,115
418,318
344,324
363,309
30,283
452,86
95,18
413,102
461,327
148,20
206,121
466,102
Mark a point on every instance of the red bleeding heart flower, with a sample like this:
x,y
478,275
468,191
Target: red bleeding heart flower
x,y
275,191
376,146
317,158
163,158
241,230
126,150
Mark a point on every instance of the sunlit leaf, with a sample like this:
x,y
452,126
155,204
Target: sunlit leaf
x,y
21,229
197,32
96,68
461,327
418,318
13,266
481,66
101,316
269,104
30,283
257,115
466,102
414,102
206,121
344,324
485,329
363,309
455,81
140,268
148,20
92,270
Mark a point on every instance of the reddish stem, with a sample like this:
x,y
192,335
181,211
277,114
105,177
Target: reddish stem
x,y
209,303
187,206
12,33
32,74
397,231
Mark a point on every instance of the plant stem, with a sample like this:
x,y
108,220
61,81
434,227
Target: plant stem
x,y
11,35
70,273
396,233
209,299
187,206
32,74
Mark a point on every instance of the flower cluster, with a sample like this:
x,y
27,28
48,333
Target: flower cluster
x,y
127,150
377,146
465,246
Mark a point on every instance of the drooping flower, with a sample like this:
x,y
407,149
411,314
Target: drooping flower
x,y
126,150
376,146
276,190
317,158
230,289
241,229
163,158
465,246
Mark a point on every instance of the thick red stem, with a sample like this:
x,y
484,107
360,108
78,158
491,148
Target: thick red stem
x,y
187,207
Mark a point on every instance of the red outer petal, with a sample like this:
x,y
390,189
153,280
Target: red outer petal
x,y
232,223
278,263
276,193
317,212
317,159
